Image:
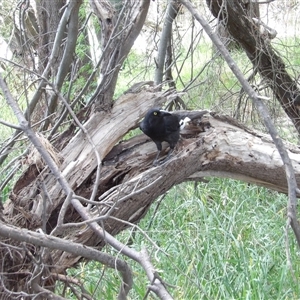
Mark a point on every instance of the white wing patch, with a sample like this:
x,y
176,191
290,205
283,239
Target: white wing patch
x,y
184,122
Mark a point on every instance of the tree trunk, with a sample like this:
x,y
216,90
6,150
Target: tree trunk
x,y
270,66
118,35
165,39
49,15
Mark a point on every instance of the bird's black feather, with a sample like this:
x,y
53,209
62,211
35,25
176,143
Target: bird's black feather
x,y
161,126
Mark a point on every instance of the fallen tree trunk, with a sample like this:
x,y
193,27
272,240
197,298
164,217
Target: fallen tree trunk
x,y
210,146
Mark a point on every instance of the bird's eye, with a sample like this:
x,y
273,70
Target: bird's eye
x,y
155,113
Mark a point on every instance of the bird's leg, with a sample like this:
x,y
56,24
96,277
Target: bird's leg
x,y
155,162
159,148
168,156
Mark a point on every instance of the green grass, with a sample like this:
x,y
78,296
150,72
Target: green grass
x,y
225,243
221,240
7,116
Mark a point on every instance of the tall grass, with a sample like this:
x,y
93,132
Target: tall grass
x,y
222,239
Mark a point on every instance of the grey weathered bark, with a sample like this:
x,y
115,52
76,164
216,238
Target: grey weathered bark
x,y
165,39
266,61
118,35
252,8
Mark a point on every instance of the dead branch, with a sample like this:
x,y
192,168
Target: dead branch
x,y
260,52
171,13
264,114
51,242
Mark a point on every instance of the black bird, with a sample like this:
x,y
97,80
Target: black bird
x,y
162,126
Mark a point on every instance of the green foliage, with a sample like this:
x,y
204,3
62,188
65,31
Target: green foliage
x,y
220,240
135,68
7,115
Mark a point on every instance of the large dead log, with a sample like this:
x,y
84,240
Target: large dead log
x,y
210,146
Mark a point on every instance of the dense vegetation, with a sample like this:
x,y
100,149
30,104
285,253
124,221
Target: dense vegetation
x,y
220,239
216,239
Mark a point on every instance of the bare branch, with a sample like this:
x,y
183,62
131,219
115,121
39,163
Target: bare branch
x,y
290,174
52,242
10,125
